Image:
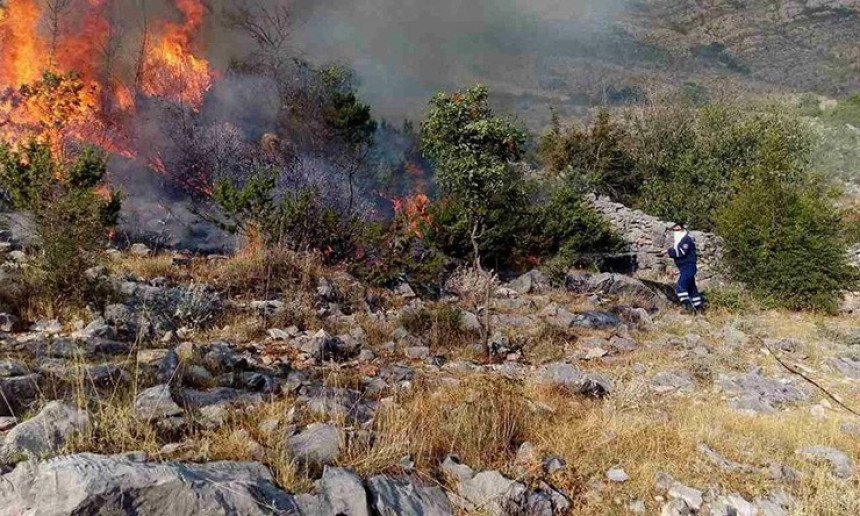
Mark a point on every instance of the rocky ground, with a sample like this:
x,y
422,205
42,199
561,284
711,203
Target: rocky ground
x,y
255,385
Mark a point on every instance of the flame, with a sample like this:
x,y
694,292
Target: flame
x,y
171,69
415,211
57,87
23,50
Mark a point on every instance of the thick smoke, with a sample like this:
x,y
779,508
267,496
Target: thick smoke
x,y
532,53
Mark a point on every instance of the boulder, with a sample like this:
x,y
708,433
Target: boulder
x,y
392,496
571,378
338,403
617,475
96,484
595,319
9,323
317,445
156,403
140,250
840,463
45,433
494,493
17,391
757,393
532,282
733,505
340,492
222,396
847,366
692,497
458,471
673,380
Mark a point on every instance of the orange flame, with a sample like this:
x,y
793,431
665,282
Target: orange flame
x,y
23,56
172,70
83,98
415,210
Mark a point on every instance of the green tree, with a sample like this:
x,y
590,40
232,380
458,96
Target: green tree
x,y
297,220
692,162
71,209
351,126
787,244
474,151
593,158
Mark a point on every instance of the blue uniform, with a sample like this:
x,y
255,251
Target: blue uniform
x,y
685,259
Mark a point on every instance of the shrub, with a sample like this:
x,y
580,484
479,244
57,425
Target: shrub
x,y
568,228
297,220
418,321
787,244
693,161
71,210
679,162
474,150
593,158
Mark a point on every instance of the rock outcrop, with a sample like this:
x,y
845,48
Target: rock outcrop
x,y
97,484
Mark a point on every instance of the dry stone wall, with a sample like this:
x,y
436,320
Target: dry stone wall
x,y
648,238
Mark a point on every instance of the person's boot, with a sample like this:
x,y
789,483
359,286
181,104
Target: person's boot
x,y
688,307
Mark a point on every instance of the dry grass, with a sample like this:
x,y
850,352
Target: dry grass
x,y
482,421
485,419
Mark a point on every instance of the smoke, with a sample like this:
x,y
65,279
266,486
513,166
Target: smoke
x,y
406,50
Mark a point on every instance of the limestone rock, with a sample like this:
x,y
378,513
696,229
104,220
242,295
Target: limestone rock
x,y
342,492
156,403
757,393
673,380
317,445
494,493
392,496
45,433
96,484
17,392
841,464
570,377
617,475
532,282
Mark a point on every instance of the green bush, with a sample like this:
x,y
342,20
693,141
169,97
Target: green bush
x,y
298,220
542,220
72,220
593,158
679,162
694,161
569,228
786,243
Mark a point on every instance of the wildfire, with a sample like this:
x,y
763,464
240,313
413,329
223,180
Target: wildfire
x,y
23,55
171,69
60,82
415,211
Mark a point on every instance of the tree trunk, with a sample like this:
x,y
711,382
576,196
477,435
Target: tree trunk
x,y
486,329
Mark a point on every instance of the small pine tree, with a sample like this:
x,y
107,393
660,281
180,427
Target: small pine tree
x,y
72,209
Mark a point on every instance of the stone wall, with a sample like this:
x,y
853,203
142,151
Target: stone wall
x,y
648,238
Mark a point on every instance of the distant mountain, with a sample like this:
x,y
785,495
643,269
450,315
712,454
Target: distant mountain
x,y
708,48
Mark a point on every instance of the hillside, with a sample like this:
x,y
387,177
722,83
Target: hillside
x,y
197,394
578,55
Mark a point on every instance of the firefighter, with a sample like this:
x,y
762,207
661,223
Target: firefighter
x,y
684,254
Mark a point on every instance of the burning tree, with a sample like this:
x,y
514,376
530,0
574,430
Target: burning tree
x,y
51,111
